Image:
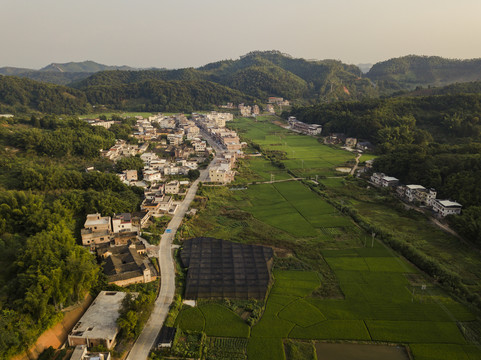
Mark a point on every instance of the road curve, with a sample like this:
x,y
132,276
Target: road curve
x,y
146,340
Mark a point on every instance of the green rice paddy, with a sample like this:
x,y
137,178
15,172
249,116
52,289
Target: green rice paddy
x,y
384,298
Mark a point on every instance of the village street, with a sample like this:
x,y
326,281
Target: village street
x,y
146,340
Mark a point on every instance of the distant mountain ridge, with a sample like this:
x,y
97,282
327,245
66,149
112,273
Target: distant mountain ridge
x,y
254,77
260,74
62,73
88,66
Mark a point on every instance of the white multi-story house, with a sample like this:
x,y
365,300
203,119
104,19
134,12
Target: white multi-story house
x,y
447,207
152,175
172,187
121,222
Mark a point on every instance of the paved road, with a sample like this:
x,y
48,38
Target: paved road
x,y
146,340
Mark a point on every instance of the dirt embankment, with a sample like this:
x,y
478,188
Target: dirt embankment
x,y
56,336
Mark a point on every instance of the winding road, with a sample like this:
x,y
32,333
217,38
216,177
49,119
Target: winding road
x,y
146,340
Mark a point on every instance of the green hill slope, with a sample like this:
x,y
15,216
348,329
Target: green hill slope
x,y
24,95
160,95
411,71
260,74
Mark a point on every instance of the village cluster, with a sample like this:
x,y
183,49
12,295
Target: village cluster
x,y
164,180
116,240
417,194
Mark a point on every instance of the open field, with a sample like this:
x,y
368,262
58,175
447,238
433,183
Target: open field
x,y
292,207
413,228
345,286
305,156
214,319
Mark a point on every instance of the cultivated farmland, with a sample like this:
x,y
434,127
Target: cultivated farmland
x,y
332,280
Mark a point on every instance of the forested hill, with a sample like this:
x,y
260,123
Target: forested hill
x,y
410,71
401,120
170,96
260,74
19,95
272,73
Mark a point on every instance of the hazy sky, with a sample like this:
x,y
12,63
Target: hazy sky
x,y
181,33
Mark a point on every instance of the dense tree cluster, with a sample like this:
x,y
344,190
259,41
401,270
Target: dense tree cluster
x,y
412,70
170,96
401,120
57,138
134,313
23,95
45,268
45,194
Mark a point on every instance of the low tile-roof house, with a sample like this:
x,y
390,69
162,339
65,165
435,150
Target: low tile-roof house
x,y
128,264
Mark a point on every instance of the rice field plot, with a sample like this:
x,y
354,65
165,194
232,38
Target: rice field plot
x,y
295,283
371,286
415,331
333,330
270,324
445,352
268,205
222,322
221,348
305,154
191,319
301,313
300,350
372,264
333,182
292,207
263,348
332,220
264,169
289,287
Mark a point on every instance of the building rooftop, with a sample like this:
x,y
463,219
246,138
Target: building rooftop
x,y
96,219
415,187
449,203
100,319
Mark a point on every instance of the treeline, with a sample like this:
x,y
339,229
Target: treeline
x,y
43,269
170,96
400,121
21,95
